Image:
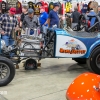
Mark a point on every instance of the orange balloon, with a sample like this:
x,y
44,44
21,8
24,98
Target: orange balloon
x,y
84,87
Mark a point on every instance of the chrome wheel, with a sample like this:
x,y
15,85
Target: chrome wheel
x,y
4,72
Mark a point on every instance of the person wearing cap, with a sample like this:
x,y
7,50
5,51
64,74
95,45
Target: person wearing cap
x,y
43,18
99,10
30,21
8,22
53,18
24,13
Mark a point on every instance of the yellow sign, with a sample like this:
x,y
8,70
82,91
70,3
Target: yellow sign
x,y
36,10
18,5
51,6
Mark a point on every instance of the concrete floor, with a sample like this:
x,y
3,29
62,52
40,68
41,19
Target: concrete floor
x,y
49,82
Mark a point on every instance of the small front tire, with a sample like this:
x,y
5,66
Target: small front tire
x,y
7,71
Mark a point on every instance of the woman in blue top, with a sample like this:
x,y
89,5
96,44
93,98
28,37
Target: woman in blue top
x,y
53,18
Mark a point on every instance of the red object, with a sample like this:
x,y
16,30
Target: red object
x,y
18,8
79,10
89,24
42,3
85,87
62,9
42,7
13,11
46,7
0,0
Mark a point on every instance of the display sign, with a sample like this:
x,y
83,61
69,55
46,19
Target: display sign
x,y
12,3
69,47
3,7
31,4
36,10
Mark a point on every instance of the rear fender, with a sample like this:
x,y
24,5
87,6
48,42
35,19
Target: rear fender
x,y
93,47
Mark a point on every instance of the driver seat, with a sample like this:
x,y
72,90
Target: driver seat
x,y
91,24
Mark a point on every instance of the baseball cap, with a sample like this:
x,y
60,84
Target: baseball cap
x,y
30,10
42,7
12,10
56,4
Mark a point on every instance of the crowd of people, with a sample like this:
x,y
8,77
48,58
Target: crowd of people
x,y
73,17
9,22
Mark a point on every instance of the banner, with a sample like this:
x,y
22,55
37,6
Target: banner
x,y
12,3
36,10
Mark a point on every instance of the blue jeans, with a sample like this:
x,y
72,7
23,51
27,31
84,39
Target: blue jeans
x,y
44,29
8,40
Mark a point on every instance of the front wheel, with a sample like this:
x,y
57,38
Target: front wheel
x,y
94,61
7,71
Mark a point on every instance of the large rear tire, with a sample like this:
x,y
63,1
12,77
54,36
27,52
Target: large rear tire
x,y
94,61
7,71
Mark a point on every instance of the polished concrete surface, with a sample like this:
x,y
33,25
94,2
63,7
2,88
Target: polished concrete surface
x,y
49,82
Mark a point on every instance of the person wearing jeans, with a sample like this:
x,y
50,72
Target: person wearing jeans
x,y
8,22
30,21
8,40
42,19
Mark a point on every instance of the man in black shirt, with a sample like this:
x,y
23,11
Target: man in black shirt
x,y
25,12
75,17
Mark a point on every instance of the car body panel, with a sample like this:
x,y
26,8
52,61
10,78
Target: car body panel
x,y
89,42
82,88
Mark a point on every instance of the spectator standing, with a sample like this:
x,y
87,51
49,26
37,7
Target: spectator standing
x,y
43,18
30,21
75,17
53,18
24,13
8,22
